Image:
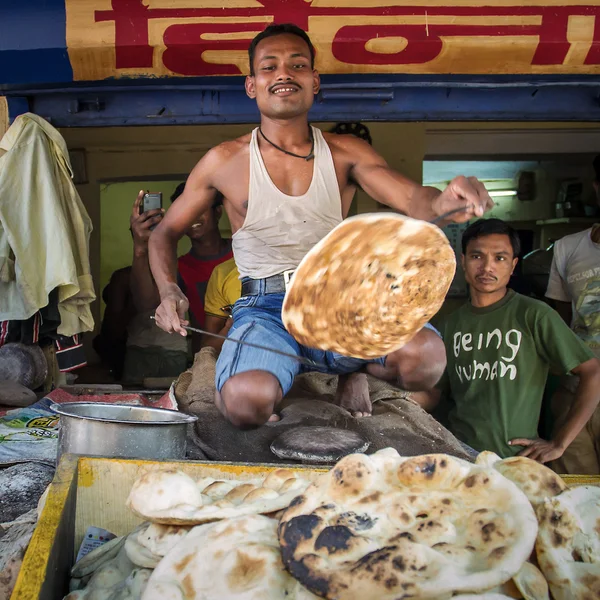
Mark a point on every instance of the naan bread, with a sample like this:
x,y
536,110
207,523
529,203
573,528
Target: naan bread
x,y
531,583
369,286
173,498
387,527
146,545
235,559
535,480
527,584
568,544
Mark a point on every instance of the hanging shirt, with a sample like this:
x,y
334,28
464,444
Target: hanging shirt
x,y
575,278
44,228
498,362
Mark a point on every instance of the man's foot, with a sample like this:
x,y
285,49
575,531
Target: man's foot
x,y
353,394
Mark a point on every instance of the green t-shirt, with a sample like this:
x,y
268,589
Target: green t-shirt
x,y
498,362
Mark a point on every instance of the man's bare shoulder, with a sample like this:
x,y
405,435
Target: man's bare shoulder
x,y
231,148
348,145
221,158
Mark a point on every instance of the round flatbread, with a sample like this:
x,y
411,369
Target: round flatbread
x,y
385,526
173,498
318,445
146,545
369,286
535,480
234,559
531,583
568,544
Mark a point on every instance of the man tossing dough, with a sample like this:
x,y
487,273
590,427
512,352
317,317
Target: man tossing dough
x,y
284,190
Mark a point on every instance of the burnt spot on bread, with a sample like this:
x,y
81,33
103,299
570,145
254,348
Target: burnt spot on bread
x,y
358,522
429,468
299,570
446,501
470,481
183,563
334,539
187,583
557,539
338,475
374,497
576,555
370,561
245,571
487,530
554,485
391,582
399,564
405,535
556,518
498,553
297,530
297,500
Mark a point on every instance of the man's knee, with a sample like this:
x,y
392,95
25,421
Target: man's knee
x,y
420,364
249,398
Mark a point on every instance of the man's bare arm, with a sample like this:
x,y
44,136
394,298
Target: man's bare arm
x,y
389,187
218,325
143,290
587,397
428,400
198,196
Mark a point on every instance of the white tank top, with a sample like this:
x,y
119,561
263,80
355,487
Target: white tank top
x,y
280,229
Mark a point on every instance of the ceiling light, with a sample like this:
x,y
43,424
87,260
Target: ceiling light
x,y
499,193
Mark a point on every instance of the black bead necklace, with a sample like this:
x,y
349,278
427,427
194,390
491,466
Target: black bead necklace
x,y
309,156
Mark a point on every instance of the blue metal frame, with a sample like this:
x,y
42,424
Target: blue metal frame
x,y
342,98
33,49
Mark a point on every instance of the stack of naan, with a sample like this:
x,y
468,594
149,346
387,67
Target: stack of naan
x,y
381,526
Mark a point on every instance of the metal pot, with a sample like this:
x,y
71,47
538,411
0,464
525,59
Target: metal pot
x,y
121,431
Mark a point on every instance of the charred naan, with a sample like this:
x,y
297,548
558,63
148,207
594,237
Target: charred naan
x,y
173,498
388,527
369,286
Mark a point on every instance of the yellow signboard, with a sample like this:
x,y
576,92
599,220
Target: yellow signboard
x,y
194,38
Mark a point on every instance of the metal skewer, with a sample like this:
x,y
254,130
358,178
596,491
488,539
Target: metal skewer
x,y
301,359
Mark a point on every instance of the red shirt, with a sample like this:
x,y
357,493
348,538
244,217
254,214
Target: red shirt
x,y
193,276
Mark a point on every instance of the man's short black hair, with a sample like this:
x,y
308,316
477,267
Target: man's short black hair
x,y
484,227
279,29
179,190
596,164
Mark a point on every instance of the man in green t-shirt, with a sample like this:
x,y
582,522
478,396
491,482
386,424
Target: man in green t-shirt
x,y
500,346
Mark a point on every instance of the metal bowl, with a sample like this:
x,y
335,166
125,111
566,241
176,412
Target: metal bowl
x,y
121,431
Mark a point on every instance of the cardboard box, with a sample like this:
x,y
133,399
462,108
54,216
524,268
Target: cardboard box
x,y
92,491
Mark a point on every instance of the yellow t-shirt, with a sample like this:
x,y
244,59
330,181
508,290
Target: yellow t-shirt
x,y
224,289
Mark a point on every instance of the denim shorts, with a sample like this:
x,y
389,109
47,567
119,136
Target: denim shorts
x,y
257,319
